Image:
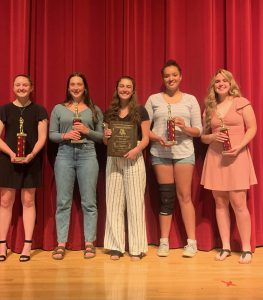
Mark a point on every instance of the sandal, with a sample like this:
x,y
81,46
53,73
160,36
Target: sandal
x,y
115,255
23,257
3,257
59,250
90,250
223,254
137,257
245,257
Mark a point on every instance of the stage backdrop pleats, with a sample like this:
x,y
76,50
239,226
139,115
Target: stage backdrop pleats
x,y
108,38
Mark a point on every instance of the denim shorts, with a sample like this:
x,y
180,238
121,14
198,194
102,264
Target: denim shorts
x,y
168,161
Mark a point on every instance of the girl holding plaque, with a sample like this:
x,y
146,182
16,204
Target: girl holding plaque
x,y
126,176
25,126
228,169
76,125
176,120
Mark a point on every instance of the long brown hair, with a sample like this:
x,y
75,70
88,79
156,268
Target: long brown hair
x,y
112,114
87,99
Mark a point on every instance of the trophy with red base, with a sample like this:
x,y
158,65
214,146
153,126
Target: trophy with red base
x,y
170,128
76,119
21,141
226,143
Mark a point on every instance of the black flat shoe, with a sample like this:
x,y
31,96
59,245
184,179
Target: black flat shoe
x,y
137,257
115,255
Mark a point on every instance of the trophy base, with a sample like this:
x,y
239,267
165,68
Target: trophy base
x,y
19,159
170,143
77,141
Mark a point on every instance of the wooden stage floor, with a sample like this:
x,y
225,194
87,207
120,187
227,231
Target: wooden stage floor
x,y
152,278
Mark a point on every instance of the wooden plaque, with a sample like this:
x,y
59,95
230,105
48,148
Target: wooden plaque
x,y
123,139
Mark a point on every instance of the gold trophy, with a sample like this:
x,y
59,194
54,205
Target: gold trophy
x,y
21,141
226,144
76,118
170,127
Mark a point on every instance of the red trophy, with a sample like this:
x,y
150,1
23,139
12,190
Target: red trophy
x,y
76,118
226,143
170,128
21,141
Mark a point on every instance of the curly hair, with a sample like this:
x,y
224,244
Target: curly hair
x,y
87,99
112,114
212,98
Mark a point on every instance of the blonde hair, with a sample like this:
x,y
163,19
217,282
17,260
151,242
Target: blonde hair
x,y
212,98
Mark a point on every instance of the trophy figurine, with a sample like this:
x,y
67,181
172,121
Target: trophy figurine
x,y
226,143
21,141
76,118
170,128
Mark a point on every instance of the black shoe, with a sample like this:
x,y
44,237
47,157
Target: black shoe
x,y
24,258
3,257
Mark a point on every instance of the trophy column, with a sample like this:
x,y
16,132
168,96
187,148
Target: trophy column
x,y
76,118
227,143
170,127
21,141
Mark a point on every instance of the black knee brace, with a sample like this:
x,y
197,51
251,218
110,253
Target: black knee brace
x,y
167,195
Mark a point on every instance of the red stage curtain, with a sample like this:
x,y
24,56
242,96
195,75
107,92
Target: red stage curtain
x,y
108,38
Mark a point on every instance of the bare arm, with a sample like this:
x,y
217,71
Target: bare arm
x,y
42,136
145,126
191,131
207,137
251,129
3,146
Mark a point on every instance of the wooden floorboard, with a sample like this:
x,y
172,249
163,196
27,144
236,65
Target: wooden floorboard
x,y
152,278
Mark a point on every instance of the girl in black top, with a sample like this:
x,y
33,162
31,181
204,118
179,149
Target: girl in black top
x,y
21,115
126,177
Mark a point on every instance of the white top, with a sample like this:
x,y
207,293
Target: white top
x,y
188,109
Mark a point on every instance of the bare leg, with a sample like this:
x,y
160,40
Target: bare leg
x,y
183,178
223,221
164,175
239,204
165,225
29,216
6,206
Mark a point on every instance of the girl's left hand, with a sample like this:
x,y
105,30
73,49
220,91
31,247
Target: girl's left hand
x,y
28,158
80,127
232,152
132,154
179,122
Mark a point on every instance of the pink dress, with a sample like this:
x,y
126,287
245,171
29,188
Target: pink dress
x,y
223,173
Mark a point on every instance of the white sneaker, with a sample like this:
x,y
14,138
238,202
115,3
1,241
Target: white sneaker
x,y
163,249
190,249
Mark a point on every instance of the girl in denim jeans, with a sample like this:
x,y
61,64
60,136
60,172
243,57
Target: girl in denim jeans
x,y
76,125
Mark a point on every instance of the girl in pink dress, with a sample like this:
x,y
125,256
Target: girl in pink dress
x,y
228,169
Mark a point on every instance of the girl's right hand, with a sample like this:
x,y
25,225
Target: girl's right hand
x,y
12,156
164,143
107,133
220,137
72,135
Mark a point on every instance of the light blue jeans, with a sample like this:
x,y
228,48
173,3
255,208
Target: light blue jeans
x,y
76,160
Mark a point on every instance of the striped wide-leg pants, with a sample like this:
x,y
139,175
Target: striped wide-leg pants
x,y
125,187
